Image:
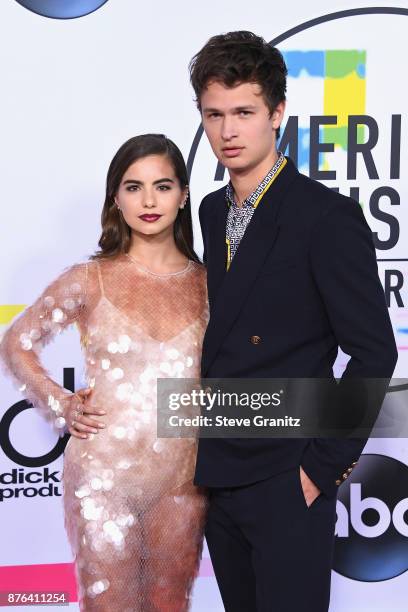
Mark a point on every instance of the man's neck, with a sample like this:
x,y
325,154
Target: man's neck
x,y
245,181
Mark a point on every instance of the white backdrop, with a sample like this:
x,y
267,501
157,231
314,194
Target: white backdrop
x,y
72,92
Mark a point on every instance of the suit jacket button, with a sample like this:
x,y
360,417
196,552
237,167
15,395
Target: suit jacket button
x,y
350,470
345,475
338,482
255,339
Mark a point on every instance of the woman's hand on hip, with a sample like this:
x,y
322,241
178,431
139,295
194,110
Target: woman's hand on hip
x,y
80,415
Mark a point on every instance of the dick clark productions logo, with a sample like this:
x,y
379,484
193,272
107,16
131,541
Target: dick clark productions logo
x,y
68,9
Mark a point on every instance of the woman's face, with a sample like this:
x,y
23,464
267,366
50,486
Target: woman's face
x,y
150,195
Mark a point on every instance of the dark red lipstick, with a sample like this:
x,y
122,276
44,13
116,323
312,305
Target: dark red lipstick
x,y
150,218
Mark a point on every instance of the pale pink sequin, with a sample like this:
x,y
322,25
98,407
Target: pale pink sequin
x,y
133,517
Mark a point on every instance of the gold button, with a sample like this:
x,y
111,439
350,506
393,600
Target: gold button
x,y
354,463
255,339
338,482
345,475
350,470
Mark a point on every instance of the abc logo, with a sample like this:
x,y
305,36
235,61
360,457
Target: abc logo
x,y
372,521
68,9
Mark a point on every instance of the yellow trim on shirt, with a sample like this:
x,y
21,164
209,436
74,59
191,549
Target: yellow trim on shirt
x,y
283,164
227,242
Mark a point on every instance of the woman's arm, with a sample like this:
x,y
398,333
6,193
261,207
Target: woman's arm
x,y
61,304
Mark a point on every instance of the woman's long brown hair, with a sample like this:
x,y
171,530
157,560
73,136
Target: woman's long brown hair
x,y
116,233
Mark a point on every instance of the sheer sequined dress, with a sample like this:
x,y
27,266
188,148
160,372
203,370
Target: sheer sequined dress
x,y
133,517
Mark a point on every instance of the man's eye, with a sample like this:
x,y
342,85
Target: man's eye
x,y
132,188
214,115
244,112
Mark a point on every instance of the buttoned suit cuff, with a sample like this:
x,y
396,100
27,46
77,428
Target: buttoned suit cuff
x,y
325,476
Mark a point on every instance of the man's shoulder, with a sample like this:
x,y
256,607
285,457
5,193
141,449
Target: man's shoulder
x,y
320,198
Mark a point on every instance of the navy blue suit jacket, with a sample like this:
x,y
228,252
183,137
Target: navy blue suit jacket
x,y
305,280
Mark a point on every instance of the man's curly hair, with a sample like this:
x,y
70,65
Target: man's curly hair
x,y
240,57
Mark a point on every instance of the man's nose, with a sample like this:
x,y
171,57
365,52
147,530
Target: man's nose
x,y
229,128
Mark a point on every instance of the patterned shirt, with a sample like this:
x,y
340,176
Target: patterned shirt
x,y
239,216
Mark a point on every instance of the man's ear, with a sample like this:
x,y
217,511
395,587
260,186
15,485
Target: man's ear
x,y
277,115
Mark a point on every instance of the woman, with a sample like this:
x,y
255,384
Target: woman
x,y
132,514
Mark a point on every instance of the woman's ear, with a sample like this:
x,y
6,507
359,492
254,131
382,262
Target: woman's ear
x,y
185,197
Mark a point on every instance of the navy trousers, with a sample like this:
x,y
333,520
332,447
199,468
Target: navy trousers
x,y
270,551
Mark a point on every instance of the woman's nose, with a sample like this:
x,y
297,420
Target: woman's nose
x,y
149,201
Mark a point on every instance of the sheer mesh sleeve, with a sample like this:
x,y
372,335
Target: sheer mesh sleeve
x,y
62,303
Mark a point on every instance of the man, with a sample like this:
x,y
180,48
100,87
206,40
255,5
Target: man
x,y
292,276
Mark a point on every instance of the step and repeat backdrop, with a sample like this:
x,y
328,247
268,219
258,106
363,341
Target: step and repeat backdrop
x,y
82,76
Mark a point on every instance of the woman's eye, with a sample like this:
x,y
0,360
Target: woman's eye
x,y
164,188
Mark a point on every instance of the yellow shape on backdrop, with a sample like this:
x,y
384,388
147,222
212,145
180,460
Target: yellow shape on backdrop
x,y
9,311
344,97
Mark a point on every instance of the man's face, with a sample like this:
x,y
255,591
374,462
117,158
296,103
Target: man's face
x,y
239,125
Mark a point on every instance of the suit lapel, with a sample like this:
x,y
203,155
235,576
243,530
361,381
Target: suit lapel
x,y
228,290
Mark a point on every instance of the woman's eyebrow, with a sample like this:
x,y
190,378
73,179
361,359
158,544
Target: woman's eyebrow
x,y
136,182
